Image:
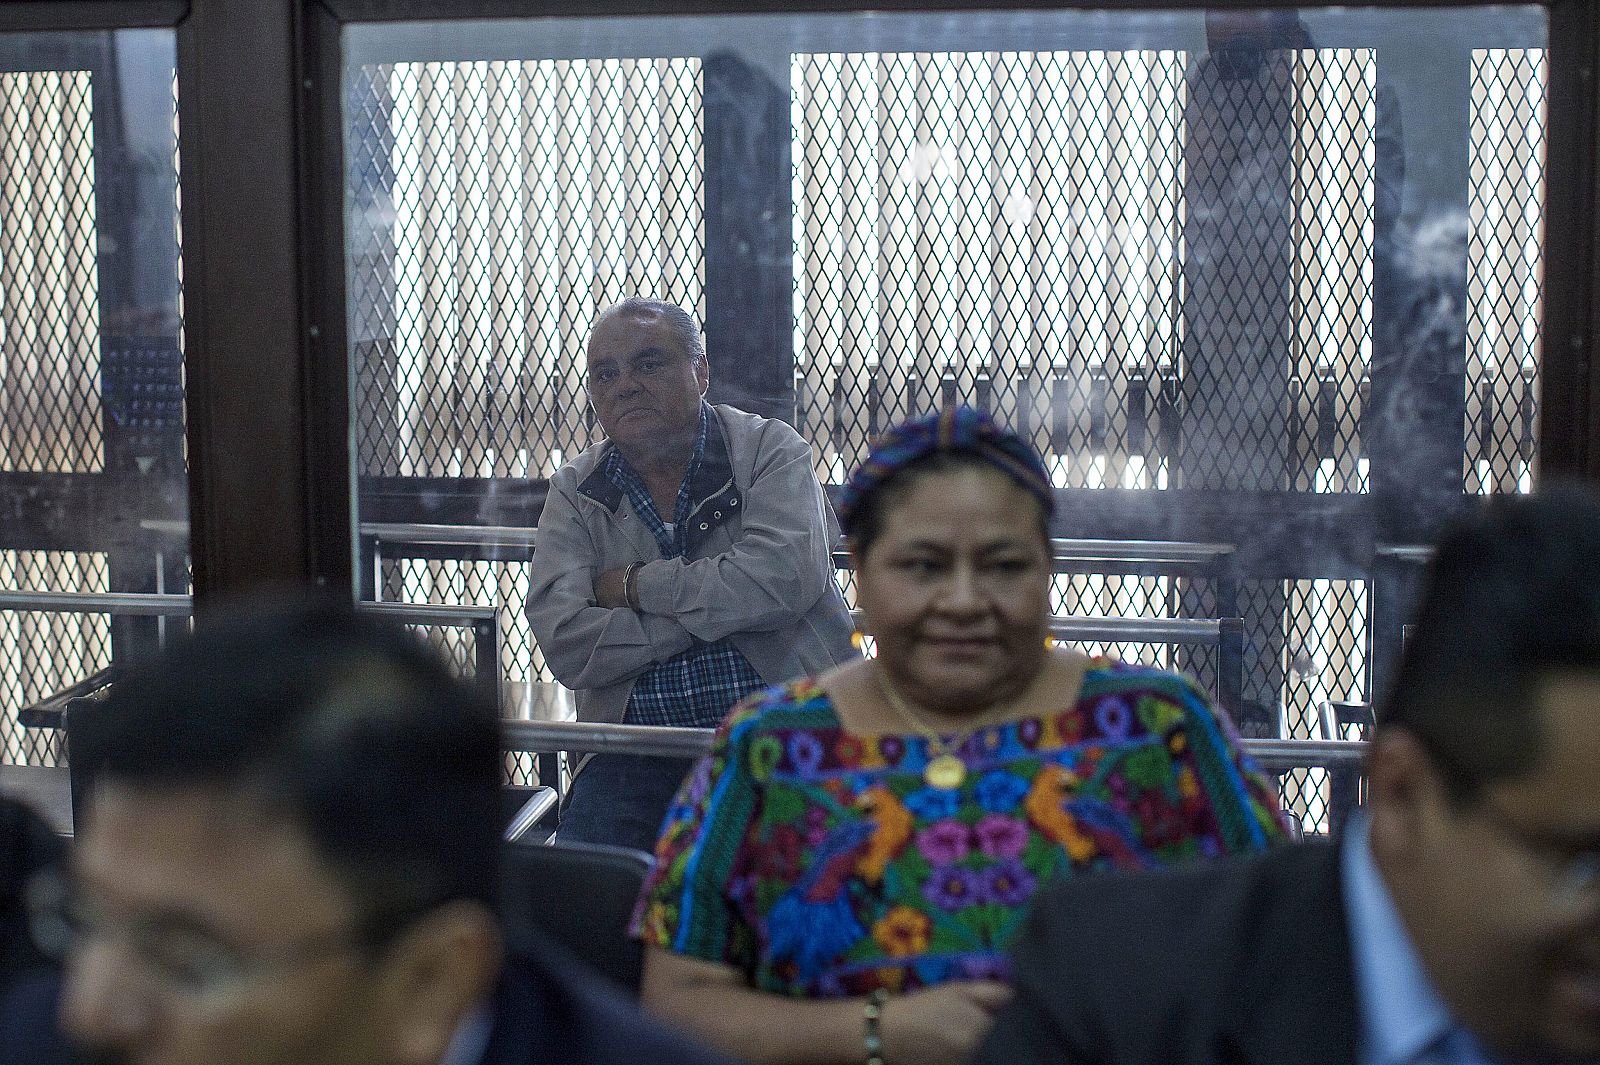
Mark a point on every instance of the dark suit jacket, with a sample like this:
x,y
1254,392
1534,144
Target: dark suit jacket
x,y
552,1010
549,1010
1236,962
28,1031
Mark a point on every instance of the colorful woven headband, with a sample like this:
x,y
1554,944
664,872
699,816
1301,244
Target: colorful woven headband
x,y
960,429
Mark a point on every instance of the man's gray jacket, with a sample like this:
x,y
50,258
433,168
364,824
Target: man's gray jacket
x,y
758,570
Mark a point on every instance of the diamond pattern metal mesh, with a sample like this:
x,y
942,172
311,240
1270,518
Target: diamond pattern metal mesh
x,y
529,688
944,251
1324,659
497,206
1000,228
1334,200
49,305
41,653
1505,267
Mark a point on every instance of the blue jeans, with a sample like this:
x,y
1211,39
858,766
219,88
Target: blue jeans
x,y
621,799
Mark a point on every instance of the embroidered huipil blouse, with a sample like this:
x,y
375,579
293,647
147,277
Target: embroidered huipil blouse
x,y
820,863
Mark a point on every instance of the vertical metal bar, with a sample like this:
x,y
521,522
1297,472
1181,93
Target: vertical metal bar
x,y
1099,391
1061,414
1230,665
749,258
486,639
1138,397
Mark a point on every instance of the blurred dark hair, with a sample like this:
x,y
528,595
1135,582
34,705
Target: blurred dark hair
x,y
1512,595
348,728
866,521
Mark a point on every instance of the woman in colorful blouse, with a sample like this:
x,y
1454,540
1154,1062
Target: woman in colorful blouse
x,y
841,878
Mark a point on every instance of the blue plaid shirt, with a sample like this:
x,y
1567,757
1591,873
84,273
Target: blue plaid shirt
x,y
698,687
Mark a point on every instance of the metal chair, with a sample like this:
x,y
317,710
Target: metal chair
x,y
581,896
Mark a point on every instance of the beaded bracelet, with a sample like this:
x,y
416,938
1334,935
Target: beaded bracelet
x,y
873,1016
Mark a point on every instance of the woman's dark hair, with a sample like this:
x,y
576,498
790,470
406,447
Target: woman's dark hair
x,y
1512,596
873,507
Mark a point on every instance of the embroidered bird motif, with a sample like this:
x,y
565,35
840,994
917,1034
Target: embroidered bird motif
x,y
813,923
892,824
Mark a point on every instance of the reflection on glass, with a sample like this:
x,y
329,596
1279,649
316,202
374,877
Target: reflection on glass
x,y
1269,282
93,485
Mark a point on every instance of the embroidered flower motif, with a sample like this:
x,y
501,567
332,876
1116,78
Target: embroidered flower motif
x,y
953,888
805,752
999,836
945,842
933,804
1029,730
1000,792
848,750
1008,883
892,748
765,754
903,931
778,858
1112,718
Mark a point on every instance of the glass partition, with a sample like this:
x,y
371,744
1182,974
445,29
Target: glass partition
x,y
1263,288
93,484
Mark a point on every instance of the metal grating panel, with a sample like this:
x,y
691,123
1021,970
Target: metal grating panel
x,y
1505,267
943,251
41,653
499,584
497,206
1324,659
1335,182
49,295
1001,228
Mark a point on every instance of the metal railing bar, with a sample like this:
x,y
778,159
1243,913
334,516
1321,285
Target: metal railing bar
x,y
659,741
146,604
1275,756
138,604
446,614
54,702
540,803
1404,552
493,536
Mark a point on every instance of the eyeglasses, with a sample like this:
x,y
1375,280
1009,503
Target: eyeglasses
x,y
180,959
1575,871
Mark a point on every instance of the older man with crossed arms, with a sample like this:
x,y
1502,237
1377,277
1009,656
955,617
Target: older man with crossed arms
x,y
682,563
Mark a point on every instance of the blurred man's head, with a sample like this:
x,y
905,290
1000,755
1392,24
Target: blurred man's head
x,y
290,856
647,372
1485,774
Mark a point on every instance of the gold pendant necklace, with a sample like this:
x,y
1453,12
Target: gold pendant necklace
x,y
944,770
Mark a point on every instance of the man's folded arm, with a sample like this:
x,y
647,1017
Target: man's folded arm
x,y
587,646
779,566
